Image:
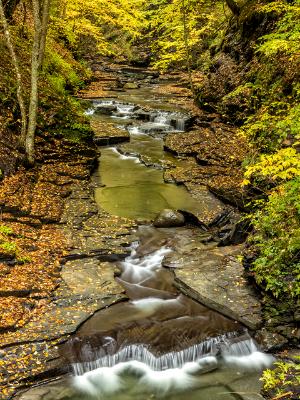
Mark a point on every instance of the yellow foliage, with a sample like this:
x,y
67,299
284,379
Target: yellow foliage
x,y
104,21
283,165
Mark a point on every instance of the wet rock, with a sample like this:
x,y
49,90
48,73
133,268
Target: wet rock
x,y
192,219
59,390
215,154
289,331
109,140
106,108
107,133
143,115
131,85
297,315
213,276
234,234
168,218
270,340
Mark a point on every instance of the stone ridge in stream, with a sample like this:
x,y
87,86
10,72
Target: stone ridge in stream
x,y
107,134
212,156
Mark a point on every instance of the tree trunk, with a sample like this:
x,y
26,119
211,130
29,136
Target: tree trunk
x,y
37,56
33,105
234,7
15,63
186,37
44,30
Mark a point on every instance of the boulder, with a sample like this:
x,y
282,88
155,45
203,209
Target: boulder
x,y
270,340
131,85
168,218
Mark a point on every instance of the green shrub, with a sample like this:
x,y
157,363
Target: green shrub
x,y
277,237
62,74
282,381
5,230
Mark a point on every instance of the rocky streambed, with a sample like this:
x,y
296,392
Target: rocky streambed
x,y
133,120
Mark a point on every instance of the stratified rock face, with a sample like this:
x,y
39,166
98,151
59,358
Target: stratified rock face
x,y
168,218
270,340
214,277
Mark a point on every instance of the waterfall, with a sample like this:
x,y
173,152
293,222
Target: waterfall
x,y
180,124
99,103
175,370
125,108
248,355
156,121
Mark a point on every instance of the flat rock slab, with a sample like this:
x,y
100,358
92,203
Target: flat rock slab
x,y
87,285
106,133
209,205
90,278
214,277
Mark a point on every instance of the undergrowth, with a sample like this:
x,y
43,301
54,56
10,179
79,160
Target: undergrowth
x,y
283,381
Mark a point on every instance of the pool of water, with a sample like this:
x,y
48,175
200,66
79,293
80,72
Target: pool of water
x,y
135,191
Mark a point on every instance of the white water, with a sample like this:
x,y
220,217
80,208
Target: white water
x,y
136,270
175,370
99,103
155,374
159,121
168,119
124,156
171,371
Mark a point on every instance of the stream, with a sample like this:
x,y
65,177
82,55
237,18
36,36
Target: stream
x,y
160,343
131,189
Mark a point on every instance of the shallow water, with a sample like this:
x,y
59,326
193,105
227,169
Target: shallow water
x,y
161,344
135,191
130,188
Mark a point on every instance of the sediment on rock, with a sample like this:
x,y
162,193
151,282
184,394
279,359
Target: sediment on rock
x,y
213,157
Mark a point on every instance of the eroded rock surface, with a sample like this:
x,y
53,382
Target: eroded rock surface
x,y
106,133
212,156
214,276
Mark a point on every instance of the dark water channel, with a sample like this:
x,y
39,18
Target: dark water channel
x,y
160,343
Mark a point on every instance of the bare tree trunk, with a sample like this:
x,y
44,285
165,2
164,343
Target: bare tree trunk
x,y
44,30
33,105
37,56
15,62
234,7
63,10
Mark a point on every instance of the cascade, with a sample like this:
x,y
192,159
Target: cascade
x,y
101,368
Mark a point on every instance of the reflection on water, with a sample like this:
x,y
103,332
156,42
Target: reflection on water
x,y
132,190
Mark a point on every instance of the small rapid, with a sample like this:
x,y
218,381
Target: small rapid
x,y
132,173
151,121
166,342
